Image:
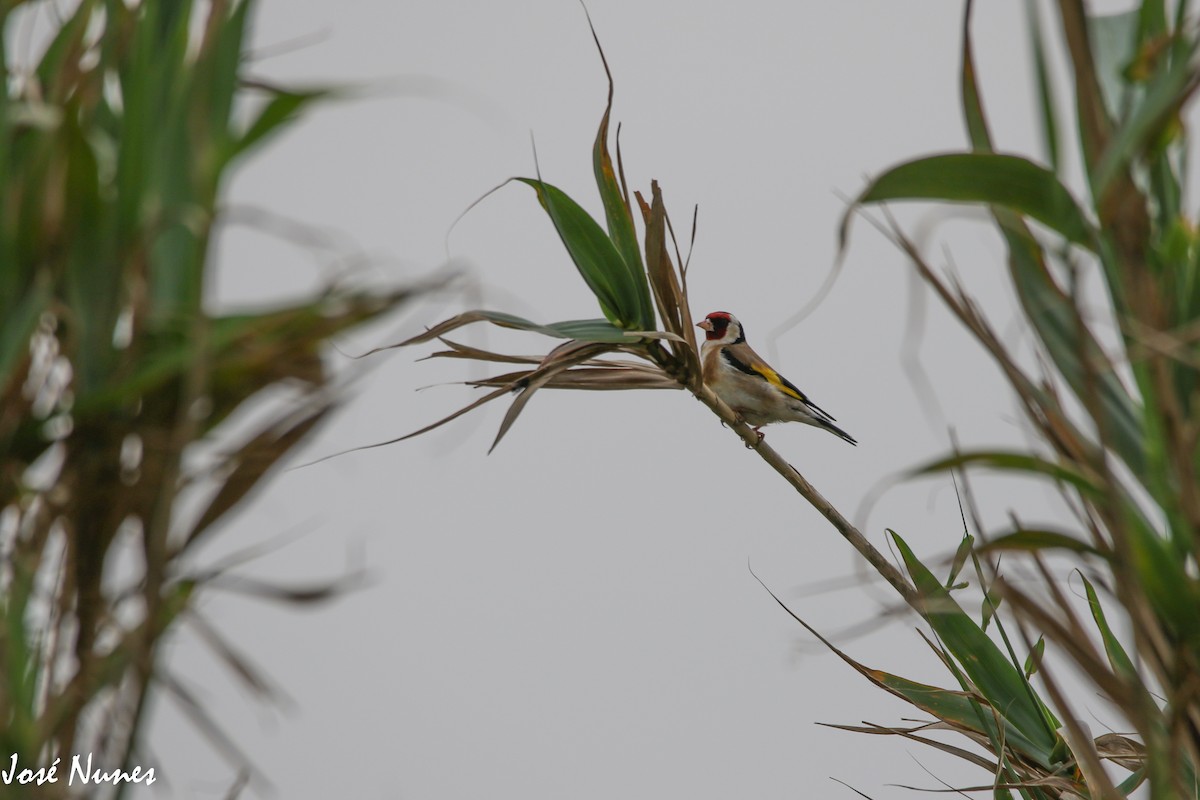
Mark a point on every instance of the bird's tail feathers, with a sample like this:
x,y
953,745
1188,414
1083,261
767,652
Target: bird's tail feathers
x,y
836,431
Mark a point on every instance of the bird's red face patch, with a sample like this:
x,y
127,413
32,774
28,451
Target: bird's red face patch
x,y
718,323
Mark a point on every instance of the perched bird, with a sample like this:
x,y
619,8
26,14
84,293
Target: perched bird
x,y
748,385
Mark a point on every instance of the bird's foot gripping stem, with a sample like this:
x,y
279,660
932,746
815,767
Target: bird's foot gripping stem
x,y
761,436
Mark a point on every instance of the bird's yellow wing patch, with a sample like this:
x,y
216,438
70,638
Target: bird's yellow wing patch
x,y
779,382
761,370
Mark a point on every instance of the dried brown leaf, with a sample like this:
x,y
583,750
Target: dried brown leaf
x,y
658,264
910,733
444,327
557,360
668,294
593,378
1051,782
471,407
254,460
458,350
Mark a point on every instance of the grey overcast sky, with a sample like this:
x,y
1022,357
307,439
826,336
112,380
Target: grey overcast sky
x,y
573,615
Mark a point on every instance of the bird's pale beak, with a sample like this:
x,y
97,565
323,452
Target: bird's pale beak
x,y
705,325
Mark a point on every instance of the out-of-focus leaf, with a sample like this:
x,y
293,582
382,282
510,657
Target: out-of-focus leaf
x,y
16,329
972,103
237,662
181,129
1073,347
996,179
64,48
1152,26
1130,784
199,716
1034,659
990,671
114,143
990,605
221,52
1113,38
20,667
1009,461
960,558
1035,539
1095,123
282,108
1144,123
252,462
1047,103
93,296
1165,579
1116,653
1048,308
603,269
247,351
316,593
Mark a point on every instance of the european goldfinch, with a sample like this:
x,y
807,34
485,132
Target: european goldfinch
x,y
748,385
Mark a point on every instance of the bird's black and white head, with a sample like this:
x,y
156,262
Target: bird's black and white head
x,y
721,327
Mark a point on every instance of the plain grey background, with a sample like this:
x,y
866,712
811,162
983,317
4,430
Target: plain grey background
x,y
573,616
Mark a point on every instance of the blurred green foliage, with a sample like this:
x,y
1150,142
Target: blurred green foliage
x,y
114,148
1118,430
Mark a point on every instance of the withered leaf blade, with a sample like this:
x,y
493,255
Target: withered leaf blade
x,y
592,330
1045,782
459,350
665,335
668,292
471,407
459,320
911,733
605,378
559,359
658,266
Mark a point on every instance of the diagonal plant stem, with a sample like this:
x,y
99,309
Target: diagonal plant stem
x,y
849,532
684,367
